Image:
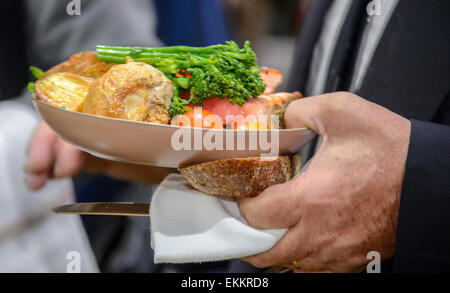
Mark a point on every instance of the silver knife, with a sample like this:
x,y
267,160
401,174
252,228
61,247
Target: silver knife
x,y
105,209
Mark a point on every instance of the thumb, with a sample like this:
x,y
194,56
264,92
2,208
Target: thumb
x,y
312,112
278,206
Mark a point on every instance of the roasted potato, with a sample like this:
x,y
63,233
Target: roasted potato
x,y
63,89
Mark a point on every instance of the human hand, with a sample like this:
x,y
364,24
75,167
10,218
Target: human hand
x,y
48,157
346,203
51,157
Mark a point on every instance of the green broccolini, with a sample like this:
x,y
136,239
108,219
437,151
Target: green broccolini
x,y
198,73
36,72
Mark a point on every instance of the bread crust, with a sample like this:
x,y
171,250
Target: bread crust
x,y
239,177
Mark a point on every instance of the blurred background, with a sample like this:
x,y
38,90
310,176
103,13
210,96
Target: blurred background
x,y
42,33
270,25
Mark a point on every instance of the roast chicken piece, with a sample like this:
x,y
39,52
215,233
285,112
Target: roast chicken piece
x,y
132,91
85,64
63,89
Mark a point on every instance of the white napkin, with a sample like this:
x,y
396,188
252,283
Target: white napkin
x,y
188,226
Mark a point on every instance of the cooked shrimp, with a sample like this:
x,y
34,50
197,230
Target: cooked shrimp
x,y
272,104
272,78
264,107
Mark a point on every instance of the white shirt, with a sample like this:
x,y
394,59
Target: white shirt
x,y
323,51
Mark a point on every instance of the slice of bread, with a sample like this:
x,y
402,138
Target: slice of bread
x,y
238,178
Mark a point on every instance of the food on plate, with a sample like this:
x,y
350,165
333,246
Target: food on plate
x,y
216,71
198,118
253,110
272,78
241,177
133,91
264,106
251,126
85,64
63,89
167,84
271,104
222,107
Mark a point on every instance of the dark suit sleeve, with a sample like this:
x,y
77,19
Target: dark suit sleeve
x,y
423,235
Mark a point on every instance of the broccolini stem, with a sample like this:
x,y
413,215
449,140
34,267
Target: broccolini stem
x,y
171,49
108,53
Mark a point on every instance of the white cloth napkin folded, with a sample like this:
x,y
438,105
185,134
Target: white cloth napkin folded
x,y
188,226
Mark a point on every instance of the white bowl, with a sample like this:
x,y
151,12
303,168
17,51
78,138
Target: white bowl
x,y
155,144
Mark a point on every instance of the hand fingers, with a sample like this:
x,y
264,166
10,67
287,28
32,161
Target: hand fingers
x,y
312,271
35,181
41,151
290,247
279,206
69,160
40,159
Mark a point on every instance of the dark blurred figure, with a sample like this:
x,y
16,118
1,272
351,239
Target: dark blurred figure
x,y
394,53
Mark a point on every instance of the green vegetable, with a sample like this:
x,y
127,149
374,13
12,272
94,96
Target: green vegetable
x,y
37,72
31,87
178,105
183,82
204,72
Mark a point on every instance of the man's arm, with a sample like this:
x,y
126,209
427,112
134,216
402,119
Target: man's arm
x,y
423,234
346,203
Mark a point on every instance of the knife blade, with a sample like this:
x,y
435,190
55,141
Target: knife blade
x,y
105,209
